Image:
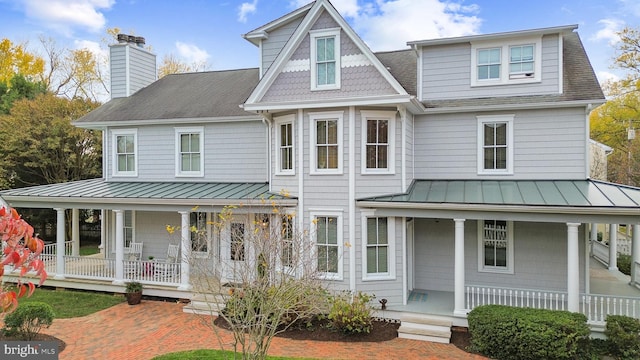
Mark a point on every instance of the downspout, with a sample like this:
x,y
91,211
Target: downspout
x,y
352,199
267,122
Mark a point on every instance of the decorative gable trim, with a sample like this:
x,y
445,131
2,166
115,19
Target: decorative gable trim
x,y
355,60
296,39
297,65
346,61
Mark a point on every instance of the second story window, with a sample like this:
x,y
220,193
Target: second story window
x,y
284,145
189,151
326,144
512,61
125,160
489,64
378,142
521,61
495,137
325,59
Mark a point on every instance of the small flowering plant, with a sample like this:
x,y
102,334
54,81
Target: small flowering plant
x,y
21,250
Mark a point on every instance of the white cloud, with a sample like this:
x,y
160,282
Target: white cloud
x,y
389,24
605,77
191,53
245,9
609,29
65,15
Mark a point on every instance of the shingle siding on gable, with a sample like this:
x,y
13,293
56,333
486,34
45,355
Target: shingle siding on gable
x,y
278,38
447,73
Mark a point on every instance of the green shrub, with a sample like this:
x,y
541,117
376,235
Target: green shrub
x,y
624,264
503,332
28,319
623,334
351,314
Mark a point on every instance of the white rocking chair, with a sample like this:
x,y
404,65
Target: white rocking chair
x,y
133,255
165,269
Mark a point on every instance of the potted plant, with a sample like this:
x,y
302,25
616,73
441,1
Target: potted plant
x,y
133,292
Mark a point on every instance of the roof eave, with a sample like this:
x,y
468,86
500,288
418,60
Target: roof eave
x,y
197,120
521,106
324,103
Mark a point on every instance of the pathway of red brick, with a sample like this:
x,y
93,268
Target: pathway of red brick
x,y
153,328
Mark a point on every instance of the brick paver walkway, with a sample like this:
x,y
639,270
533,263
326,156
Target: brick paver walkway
x,y
153,328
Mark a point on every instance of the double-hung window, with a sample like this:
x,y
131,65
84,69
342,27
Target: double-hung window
x,y
495,139
328,234
189,151
506,62
378,142
326,143
125,149
287,251
285,145
378,247
325,59
495,246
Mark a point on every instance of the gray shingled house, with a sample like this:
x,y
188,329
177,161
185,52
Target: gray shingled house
x,y
441,177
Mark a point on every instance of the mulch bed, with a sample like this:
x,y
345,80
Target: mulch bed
x,y
380,331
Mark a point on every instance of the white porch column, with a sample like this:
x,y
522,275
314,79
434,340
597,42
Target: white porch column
x,y
60,239
613,247
75,232
635,252
185,251
573,268
458,282
119,280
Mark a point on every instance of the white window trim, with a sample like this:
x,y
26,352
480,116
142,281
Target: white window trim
x,y
189,130
504,78
483,119
338,215
208,222
313,170
114,140
391,156
281,120
509,269
391,261
313,35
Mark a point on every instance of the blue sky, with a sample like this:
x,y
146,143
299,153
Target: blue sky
x,y
201,30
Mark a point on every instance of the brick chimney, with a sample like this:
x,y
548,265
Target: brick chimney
x,y
132,66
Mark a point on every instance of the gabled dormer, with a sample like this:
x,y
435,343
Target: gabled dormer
x,y
313,58
519,63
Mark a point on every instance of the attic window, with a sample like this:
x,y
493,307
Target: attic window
x,y
325,59
506,62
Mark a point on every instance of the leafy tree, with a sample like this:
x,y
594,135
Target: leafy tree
x,y
172,65
19,87
41,146
15,59
21,250
628,57
273,282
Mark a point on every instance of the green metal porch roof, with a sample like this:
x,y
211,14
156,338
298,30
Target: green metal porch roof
x,y
100,192
529,193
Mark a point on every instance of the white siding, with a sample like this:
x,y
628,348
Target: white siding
x,y
540,256
447,73
132,68
548,144
272,46
228,157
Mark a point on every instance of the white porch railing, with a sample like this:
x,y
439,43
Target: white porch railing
x,y
600,251
85,267
598,307
50,249
595,307
482,295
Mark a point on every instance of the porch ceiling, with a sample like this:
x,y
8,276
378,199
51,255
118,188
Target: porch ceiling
x,y
569,197
98,193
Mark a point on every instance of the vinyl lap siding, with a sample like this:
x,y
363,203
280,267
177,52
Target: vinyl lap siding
x,y
143,69
228,157
272,46
447,72
118,67
548,144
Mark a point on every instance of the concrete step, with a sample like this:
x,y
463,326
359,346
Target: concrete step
x,y
208,304
431,328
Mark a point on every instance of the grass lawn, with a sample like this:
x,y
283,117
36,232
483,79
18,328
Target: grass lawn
x,y
209,355
89,250
71,303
